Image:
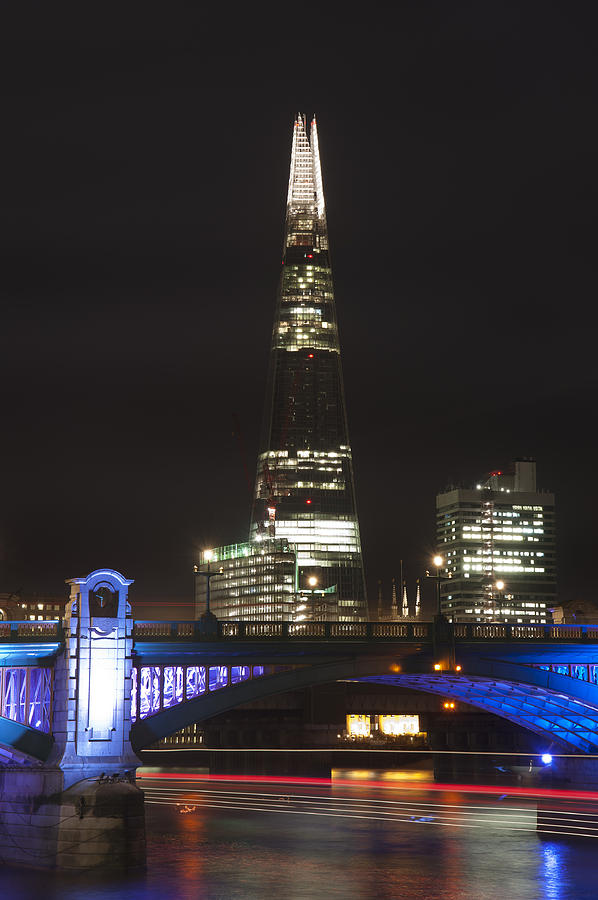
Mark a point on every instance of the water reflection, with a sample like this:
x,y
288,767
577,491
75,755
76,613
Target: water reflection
x,y
551,873
351,837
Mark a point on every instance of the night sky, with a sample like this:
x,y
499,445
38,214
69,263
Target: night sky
x,y
144,178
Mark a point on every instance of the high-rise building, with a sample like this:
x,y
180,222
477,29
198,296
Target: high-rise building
x,y
253,581
304,488
497,540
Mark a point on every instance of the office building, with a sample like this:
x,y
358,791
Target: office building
x,y
497,540
255,581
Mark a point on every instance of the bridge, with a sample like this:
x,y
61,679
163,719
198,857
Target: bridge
x,y
93,689
79,698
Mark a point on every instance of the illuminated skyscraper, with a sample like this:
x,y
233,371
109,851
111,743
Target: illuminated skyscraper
x,y
498,542
304,488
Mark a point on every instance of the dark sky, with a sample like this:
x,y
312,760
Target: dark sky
x,y
144,176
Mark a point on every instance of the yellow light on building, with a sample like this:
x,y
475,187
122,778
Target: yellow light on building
x,y
358,725
398,724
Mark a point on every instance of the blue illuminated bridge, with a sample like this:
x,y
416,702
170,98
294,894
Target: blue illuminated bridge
x,y
542,677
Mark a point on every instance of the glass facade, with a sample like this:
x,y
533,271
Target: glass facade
x,y
304,488
498,543
255,581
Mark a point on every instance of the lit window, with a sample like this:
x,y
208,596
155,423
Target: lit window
x,y
398,724
358,725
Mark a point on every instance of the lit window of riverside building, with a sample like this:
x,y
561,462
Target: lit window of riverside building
x,y
304,488
497,540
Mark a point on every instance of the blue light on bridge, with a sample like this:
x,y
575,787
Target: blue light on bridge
x,y
239,673
196,681
173,686
218,677
546,759
26,696
154,688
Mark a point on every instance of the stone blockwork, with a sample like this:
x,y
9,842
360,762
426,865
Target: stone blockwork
x,y
91,825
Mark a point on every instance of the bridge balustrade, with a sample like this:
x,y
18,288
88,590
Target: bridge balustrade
x,y
15,631
494,631
421,631
566,631
307,629
193,630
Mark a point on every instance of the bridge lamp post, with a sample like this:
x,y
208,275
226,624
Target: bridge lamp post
x,y
438,562
499,586
208,556
313,583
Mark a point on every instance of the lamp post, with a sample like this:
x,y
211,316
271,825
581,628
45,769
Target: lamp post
x,y
443,637
208,556
438,562
499,586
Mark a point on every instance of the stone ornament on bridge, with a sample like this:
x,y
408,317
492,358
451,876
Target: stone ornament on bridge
x,y
77,806
92,708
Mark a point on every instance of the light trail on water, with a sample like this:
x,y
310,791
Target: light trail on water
x,y
488,789
577,823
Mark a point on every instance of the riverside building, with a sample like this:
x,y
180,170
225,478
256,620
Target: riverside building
x,y
497,540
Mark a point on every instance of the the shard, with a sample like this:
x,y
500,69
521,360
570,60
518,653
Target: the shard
x,y
304,487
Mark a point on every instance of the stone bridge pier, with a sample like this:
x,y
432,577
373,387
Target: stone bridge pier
x,y
81,809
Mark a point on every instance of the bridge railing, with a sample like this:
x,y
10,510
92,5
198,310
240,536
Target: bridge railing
x,y
193,631
31,631
494,631
366,631
19,632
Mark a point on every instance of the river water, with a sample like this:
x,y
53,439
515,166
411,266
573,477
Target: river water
x,y
356,836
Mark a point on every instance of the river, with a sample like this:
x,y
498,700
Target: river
x,y
361,835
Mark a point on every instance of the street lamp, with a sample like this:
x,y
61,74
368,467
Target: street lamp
x,y
497,586
208,556
438,562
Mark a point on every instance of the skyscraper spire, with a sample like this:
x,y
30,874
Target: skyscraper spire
x,y
304,486
305,177
405,609
394,610
418,603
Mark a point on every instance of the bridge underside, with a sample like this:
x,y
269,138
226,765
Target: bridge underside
x,y
555,717
559,708
21,745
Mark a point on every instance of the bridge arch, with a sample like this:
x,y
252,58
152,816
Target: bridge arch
x,y
557,707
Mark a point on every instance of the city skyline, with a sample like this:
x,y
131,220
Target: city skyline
x,y
463,258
